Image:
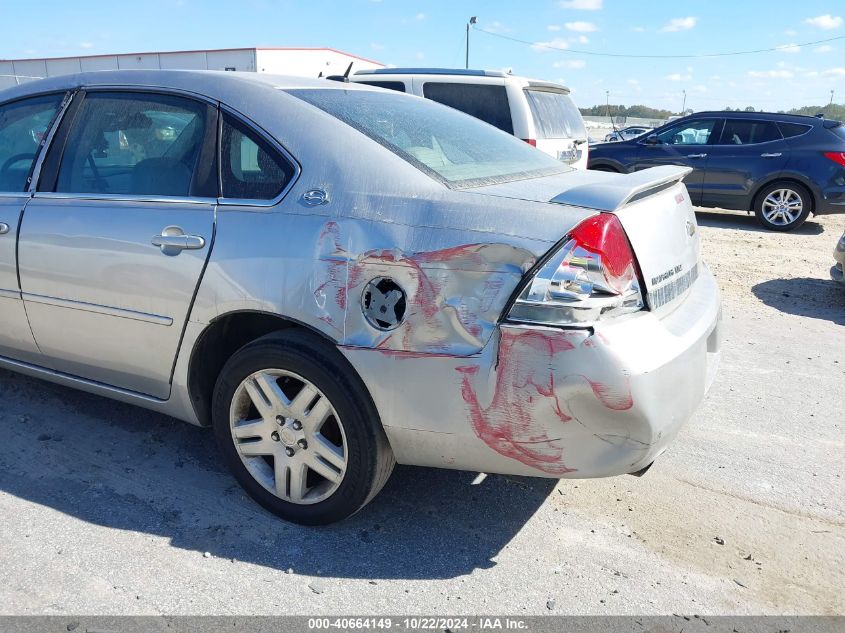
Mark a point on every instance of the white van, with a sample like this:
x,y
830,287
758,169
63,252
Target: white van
x,y
539,112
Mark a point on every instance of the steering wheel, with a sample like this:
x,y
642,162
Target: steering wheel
x,y
14,159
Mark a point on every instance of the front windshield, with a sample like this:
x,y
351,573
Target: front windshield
x,y
449,145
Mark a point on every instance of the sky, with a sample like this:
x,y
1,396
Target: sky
x,y
559,40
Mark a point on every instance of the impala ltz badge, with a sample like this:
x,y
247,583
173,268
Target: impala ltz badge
x,y
384,303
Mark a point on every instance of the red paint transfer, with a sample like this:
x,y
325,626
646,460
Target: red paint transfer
x,y
431,317
524,394
532,378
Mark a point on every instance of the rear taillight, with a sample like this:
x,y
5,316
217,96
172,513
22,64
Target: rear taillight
x,y
591,276
836,157
531,141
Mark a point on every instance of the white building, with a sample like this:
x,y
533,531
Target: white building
x,y
304,62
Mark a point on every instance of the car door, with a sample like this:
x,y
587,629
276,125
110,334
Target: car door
x,y
748,152
684,143
24,125
114,241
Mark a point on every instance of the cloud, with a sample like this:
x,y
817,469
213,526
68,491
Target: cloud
x,y
679,24
581,27
420,55
678,77
376,46
638,29
834,72
496,27
85,45
771,74
826,22
825,48
574,64
790,32
419,16
582,5
634,82
789,48
582,39
555,43
553,27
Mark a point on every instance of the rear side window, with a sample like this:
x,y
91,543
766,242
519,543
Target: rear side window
x,y
398,86
555,115
485,102
134,144
250,168
23,125
790,130
747,132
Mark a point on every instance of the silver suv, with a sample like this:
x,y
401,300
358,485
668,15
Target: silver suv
x,y
337,277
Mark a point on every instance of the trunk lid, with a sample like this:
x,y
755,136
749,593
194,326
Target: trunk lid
x,y
654,208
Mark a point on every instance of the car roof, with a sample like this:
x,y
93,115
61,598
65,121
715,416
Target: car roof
x,y
377,73
738,114
215,84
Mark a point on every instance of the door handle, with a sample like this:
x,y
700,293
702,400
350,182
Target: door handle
x,y
697,156
771,155
4,228
173,241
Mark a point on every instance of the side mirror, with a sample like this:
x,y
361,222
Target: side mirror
x,y
651,139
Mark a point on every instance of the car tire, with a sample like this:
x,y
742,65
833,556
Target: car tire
x,y
783,206
312,450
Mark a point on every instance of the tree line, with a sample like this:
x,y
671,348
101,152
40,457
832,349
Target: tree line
x,y
831,111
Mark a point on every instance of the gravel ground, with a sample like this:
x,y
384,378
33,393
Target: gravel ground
x,y
110,509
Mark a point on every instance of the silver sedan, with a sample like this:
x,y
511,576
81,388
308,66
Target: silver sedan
x,y
337,278
839,257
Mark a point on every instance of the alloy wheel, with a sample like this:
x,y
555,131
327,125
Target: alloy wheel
x,y
289,436
783,207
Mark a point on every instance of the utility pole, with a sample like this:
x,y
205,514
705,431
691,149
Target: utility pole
x,y
472,20
684,105
831,98
607,104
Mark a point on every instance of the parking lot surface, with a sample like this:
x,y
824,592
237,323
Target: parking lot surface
x,y
111,509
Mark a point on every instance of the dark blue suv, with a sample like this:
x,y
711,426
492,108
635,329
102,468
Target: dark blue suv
x,y
780,166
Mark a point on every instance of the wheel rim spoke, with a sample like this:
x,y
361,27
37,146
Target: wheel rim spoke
x,y
323,469
251,428
329,452
291,479
258,448
298,407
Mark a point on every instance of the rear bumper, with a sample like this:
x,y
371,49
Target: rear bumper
x,y
832,200
549,402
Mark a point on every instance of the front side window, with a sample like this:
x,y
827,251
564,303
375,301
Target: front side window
x,y
442,142
485,102
688,133
133,144
23,125
747,132
250,168
555,115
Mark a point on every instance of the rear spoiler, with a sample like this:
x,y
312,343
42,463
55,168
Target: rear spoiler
x,y
614,193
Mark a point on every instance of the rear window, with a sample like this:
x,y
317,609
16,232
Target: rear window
x,y
555,115
398,86
839,130
485,102
739,132
792,129
444,143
